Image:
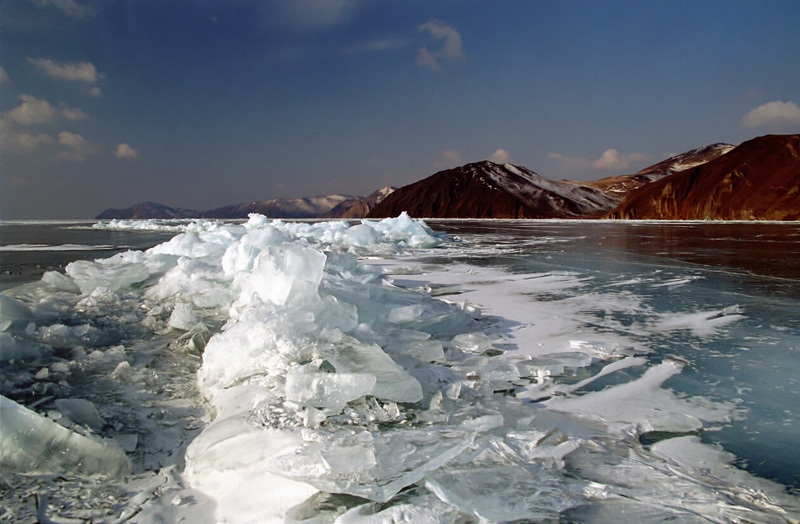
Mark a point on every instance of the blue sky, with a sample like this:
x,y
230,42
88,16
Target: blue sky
x,y
204,103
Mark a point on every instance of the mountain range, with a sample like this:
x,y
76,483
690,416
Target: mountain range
x,y
757,180
330,206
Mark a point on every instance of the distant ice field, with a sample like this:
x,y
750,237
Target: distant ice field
x,y
400,370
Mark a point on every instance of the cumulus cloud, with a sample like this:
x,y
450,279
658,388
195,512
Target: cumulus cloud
x,y
21,143
34,111
500,156
77,147
773,114
69,7
3,76
126,151
84,72
613,160
450,50
72,113
610,160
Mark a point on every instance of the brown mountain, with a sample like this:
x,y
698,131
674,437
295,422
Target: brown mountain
x,y
489,190
621,185
758,180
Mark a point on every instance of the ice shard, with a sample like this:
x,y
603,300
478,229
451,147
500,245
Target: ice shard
x,y
32,444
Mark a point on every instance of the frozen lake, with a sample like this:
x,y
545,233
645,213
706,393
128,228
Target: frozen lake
x,y
469,371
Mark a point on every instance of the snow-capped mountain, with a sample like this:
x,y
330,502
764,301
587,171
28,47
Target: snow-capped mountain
x,y
306,207
489,190
757,180
361,206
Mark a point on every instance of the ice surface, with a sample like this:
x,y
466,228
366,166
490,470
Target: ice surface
x,y
344,383
32,444
641,406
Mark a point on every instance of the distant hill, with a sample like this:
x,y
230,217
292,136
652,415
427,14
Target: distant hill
x,y
361,206
331,206
145,210
489,190
307,207
757,180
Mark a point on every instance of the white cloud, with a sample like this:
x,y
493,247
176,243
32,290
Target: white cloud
x,y
449,52
773,114
72,113
34,111
449,158
126,151
77,147
70,71
610,160
21,143
3,76
613,160
69,7
500,156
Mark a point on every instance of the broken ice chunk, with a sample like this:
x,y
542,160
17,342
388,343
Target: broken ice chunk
x,y
472,342
11,309
127,441
383,463
284,274
503,493
80,411
11,349
182,317
392,382
404,314
361,235
112,274
32,444
327,390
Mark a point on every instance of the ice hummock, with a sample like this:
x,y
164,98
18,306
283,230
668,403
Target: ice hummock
x,y
337,394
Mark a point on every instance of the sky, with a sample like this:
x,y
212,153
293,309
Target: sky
x,y
200,104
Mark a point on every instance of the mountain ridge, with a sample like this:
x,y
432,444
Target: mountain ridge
x,y
756,180
329,206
